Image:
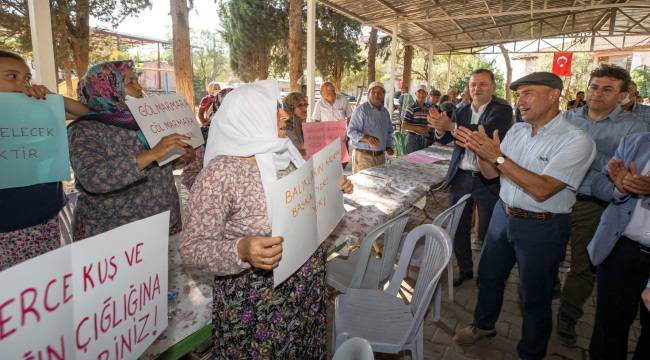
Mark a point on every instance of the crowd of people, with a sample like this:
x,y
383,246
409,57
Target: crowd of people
x,y
579,177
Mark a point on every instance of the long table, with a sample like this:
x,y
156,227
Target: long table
x,y
380,193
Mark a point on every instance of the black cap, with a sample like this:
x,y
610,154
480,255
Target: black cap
x,y
434,92
539,78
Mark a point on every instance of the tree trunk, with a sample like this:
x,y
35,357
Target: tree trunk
x,y
506,58
182,51
372,54
79,36
67,75
295,44
408,61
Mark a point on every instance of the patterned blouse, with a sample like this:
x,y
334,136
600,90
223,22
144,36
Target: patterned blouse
x,y
113,192
227,203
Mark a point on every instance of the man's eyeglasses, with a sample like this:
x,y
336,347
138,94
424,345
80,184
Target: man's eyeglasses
x,y
303,105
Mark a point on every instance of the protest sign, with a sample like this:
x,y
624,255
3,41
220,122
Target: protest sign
x,y
317,135
306,206
33,141
159,116
101,298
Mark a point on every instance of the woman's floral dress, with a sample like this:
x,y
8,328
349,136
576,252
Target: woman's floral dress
x,y
251,319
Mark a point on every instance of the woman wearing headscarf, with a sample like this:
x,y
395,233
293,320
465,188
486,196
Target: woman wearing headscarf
x,y
115,169
228,233
295,104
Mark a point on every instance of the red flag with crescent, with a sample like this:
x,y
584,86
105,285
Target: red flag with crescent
x,y
562,63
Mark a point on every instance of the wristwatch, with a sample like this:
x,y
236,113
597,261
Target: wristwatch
x,y
500,160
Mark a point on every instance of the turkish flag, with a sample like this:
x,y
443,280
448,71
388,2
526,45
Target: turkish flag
x,y
562,63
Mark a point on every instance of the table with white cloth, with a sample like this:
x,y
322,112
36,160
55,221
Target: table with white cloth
x,y
380,193
383,192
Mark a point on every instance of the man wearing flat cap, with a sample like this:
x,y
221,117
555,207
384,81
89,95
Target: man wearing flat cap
x,y
540,164
606,123
370,131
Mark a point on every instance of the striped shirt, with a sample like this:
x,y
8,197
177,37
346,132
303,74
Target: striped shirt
x,y
417,115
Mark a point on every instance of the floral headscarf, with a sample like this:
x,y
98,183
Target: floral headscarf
x,y
102,89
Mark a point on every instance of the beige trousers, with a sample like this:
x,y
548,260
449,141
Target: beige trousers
x,y
363,160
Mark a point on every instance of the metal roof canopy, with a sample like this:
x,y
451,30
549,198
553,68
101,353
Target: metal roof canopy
x,y
468,26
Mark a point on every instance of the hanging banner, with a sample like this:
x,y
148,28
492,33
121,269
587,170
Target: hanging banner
x,y
562,63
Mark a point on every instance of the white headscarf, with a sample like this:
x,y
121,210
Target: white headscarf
x,y
246,125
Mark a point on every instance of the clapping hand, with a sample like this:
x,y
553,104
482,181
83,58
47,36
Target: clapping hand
x,y
635,183
488,149
439,121
617,173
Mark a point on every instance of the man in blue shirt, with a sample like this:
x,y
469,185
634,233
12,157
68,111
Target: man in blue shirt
x,y
630,104
621,250
540,163
603,119
370,131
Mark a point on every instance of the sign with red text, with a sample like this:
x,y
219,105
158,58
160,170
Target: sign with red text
x,y
318,134
33,140
159,116
102,298
562,63
306,206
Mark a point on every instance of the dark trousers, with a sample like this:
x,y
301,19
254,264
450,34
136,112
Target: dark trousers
x,y
485,194
621,279
538,247
415,142
579,283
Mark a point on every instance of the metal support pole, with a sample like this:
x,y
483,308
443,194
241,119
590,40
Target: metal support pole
x,y
448,72
430,77
41,29
393,66
311,54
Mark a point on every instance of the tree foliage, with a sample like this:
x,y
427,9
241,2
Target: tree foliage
x,y
70,26
208,58
255,31
337,47
641,76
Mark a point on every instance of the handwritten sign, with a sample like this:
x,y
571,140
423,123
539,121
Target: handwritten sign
x,y
33,141
306,206
318,134
101,298
159,116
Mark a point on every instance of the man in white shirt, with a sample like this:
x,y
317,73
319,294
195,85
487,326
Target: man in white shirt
x,y
540,164
463,175
331,106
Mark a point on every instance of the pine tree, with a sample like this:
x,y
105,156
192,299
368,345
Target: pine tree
x,y
256,32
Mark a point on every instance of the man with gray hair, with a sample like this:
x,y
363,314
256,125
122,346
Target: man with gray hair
x,y
370,131
331,106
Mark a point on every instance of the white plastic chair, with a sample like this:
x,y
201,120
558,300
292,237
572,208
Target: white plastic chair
x,y
359,269
386,321
448,220
354,349
66,215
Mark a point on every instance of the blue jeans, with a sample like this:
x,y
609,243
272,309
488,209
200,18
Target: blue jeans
x,y
415,142
538,247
